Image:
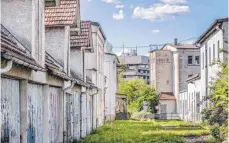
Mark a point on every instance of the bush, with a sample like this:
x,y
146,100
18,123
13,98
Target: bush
x,y
142,115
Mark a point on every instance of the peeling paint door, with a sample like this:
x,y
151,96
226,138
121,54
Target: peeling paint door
x,y
54,113
69,117
83,115
10,118
89,114
35,111
76,116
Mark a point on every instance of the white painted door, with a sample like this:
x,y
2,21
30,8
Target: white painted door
x,y
54,109
163,108
35,111
10,118
83,115
76,116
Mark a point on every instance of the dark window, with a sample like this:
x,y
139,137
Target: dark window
x,y
197,60
189,59
210,59
213,50
203,60
190,75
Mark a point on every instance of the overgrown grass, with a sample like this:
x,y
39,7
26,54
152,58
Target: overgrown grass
x,y
153,131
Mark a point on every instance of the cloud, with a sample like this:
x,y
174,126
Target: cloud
x,y
159,11
155,31
119,16
109,1
119,6
173,1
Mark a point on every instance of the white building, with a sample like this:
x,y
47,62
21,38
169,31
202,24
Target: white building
x,y
185,63
111,87
190,101
210,43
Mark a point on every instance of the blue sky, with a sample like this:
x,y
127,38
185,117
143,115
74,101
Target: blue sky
x,y
145,22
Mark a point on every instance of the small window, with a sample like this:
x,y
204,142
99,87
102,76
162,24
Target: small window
x,y
189,59
197,60
202,60
210,59
190,75
167,82
218,48
213,50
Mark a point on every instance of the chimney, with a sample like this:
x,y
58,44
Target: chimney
x,y
175,41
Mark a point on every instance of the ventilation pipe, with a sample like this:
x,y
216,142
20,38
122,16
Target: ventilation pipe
x,y
7,67
175,41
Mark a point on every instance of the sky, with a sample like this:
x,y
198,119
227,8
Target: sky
x,y
144,22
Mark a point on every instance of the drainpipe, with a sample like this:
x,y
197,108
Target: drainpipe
x,y
7,67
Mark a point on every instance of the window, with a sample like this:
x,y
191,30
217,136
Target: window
x,y
189,59
167,82
202,60
197,60
210,59
218,49
213,52
190,75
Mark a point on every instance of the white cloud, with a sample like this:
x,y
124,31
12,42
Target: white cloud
x,y
119,6
159,11
118,16
109,1
173,1
155,31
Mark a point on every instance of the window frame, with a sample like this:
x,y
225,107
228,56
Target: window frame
x,y
191,59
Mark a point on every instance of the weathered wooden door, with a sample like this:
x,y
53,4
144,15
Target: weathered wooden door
x,y
83,115
76,116
10,118
89,114
54,106
35,111
69,117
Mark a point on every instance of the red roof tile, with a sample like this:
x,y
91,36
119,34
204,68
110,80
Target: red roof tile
x,y
64,14
167,96
84,38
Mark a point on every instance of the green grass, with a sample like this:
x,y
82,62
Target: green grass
x,y
154,131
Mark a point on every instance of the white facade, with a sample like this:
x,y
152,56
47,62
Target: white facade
x,y
110,71
186,63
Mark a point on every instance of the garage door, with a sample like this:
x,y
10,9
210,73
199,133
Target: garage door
x,y
10,119
76,116
83,115
34,107
69,117
54,105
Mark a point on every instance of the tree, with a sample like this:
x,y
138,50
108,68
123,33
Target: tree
x,y
217,114
138,91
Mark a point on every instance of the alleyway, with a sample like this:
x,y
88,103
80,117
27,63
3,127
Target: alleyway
x,y
155,131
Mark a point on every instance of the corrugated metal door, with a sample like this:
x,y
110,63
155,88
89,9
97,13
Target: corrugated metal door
x,y
83,115
69,117
35,111
54,104
76,116
10,119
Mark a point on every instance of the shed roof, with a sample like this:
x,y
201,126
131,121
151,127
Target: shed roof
x,y
193,78
84,38
167,96
11,50
64,14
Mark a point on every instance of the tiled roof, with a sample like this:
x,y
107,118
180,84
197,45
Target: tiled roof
x,y
167,96
11,50
64,14
82,39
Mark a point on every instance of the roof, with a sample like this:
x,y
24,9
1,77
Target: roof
x,y
84,38
64,14
209,30
167,96
181,46
12,50
78,78
193,78
100,28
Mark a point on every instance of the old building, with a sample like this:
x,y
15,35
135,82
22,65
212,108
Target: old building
x,y
47,94
136,66
111,87
210,43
